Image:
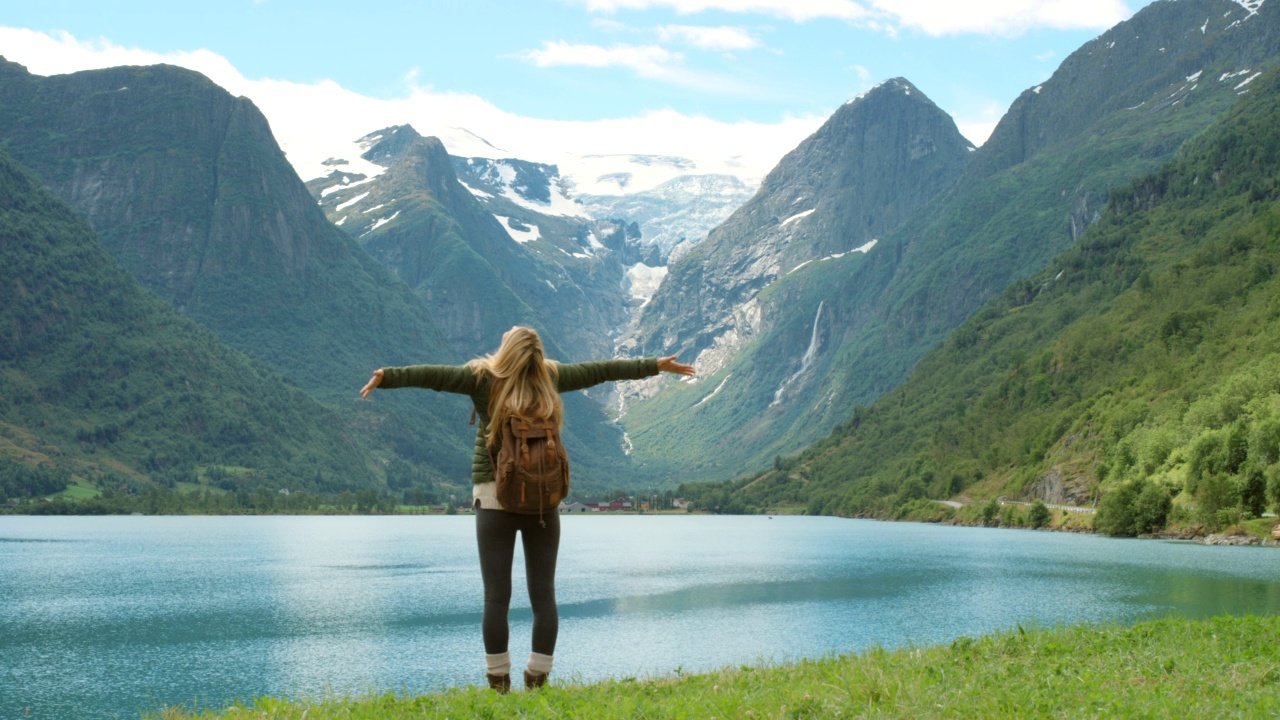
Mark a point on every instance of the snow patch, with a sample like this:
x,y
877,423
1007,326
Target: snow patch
x,y
1251,5
864,249
1037,89
594,241
344,219
553,287
345,184
1195,77
797,216
351,202
806,262
375,207
381,222
1228,76
716,391
559,203
520,236
1247,81
475,191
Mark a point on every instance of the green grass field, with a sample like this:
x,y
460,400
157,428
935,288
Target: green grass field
x,y
1223,667
80,492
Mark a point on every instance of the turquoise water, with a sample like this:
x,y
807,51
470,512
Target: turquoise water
x,y
103,617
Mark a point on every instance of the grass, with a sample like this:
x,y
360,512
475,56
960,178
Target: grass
x,y
1173,667
80,492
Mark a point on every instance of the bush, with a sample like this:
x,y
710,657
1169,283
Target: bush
x,y
1010,516
989,512
1134,508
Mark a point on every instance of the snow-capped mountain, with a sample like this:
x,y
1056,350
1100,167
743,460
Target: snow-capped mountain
x,y
672,201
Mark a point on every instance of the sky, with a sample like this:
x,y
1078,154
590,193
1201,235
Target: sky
x,y
734,83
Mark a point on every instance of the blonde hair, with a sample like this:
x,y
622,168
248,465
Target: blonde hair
x,y
522,381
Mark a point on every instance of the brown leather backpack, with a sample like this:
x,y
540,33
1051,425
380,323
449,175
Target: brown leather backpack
x,y
531,467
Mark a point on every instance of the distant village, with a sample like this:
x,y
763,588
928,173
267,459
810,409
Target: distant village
x,y
621,504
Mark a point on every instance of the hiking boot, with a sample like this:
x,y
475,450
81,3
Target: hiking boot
x,y
533,681
502,683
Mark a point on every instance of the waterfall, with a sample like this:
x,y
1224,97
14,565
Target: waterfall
x,y
805,360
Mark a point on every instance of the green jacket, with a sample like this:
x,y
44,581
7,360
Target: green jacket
x,y
459,379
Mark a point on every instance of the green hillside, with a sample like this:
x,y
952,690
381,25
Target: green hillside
x,y
1118,108
1142,363
186,186
103,383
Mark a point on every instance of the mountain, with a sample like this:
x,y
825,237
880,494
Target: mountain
x,y
876,161
488,244
849,329
101,381
481,268
186,187
1139,365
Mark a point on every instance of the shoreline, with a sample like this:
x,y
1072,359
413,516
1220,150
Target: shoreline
x,y
1240,539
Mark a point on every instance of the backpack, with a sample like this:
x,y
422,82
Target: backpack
x,y
531,467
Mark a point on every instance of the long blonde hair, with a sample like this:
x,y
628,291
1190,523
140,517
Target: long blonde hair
x,y
522,381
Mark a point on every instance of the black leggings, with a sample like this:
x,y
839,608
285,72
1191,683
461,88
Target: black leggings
x,y
496,536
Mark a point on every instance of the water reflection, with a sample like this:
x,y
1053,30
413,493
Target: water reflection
x,y
103,616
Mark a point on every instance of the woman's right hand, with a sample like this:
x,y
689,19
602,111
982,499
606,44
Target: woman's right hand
x,y
671,365
373,383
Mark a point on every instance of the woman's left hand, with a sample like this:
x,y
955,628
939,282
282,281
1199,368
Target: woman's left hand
x,y
671,365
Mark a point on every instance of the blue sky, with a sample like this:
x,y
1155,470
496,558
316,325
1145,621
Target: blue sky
x,y
758,62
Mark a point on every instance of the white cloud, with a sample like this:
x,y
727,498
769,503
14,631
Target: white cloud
x,y
977,132
1001,17
312,122
709,38
1046,56
978,126
932,17
863,73
651,61
797,10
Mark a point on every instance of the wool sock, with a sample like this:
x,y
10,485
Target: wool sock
x,y
539,664
499,664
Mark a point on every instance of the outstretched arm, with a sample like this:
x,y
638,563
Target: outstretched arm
x,y
441,378
579,376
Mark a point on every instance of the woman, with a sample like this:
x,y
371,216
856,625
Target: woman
x,y
516,381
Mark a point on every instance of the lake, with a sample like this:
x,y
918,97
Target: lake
x,y
110,616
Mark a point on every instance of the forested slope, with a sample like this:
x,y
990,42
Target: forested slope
x,y
1146,358
101,381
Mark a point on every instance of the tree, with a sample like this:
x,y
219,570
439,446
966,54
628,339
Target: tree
x,y
989,511
1151,508
1253,493
1038,515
